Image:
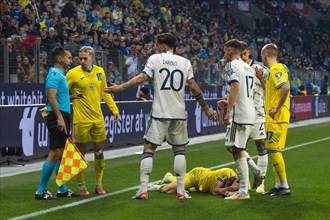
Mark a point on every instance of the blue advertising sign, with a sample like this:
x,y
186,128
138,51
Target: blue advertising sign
x,y
23,126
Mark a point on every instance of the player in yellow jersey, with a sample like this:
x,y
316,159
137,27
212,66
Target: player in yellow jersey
x,y
277,108
201,179
88,120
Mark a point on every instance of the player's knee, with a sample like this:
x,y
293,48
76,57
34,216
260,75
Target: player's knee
x,y
230,149
99,154
261,145
238,152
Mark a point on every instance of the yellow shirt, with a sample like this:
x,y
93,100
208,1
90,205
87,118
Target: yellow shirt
x,y
207,178
91,85
278,76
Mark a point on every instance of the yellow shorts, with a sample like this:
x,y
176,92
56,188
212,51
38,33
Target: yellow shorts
x,y
85,132
190,180
276,135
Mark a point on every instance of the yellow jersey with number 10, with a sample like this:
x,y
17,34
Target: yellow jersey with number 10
x,y
278,76
91,84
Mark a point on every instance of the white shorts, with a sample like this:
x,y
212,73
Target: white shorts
x,y
258,131
237,135
173,131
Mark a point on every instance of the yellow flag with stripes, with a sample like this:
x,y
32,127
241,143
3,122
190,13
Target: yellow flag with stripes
x,y
72,163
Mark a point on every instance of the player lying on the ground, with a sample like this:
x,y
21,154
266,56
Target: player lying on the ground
x,y
201,179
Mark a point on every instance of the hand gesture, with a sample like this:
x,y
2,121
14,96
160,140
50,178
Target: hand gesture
x,y
116,117
222,103
79,96
113,89
220,113
61,125
272,112
44,113
211,115
259,73
227,118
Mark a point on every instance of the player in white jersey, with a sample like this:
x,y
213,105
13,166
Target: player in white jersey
x,y
258,133
240,114
169,74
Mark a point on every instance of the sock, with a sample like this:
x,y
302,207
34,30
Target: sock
x,y
277,179
46,173
252,165
243,170
62,188
263,161
99,165
81,180
180,168
284,184
145,170
279,168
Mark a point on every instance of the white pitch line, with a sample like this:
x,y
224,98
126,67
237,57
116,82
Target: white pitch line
x,y
42,212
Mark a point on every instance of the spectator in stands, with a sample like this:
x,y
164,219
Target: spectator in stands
x,y
81,13
90,42
75,62
143,92
67,16
132,64
12,28
324,85
72,45
113,76
302,90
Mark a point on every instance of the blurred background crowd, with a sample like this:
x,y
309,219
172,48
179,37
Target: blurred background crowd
x,y
122,33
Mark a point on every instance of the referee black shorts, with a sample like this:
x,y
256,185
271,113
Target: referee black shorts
x,y
57,137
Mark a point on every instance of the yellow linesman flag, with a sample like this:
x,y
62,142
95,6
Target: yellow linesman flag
x,y
72,163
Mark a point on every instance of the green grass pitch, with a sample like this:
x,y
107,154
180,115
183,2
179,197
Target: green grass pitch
x,y
307,169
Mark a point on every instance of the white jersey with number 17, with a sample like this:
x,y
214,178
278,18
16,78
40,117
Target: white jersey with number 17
x,y
239,71
169,73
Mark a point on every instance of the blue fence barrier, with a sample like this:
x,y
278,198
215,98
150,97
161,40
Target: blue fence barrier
x,y
23,126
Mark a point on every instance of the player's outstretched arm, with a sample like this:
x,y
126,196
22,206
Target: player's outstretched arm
x,y
137,80
197,94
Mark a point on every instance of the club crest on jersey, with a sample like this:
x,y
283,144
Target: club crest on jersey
x,y
278,74
91,86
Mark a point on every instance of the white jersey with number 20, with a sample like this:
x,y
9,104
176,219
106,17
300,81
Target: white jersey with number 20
x,y
169,73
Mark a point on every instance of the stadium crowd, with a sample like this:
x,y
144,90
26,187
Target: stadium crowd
x,y
122,29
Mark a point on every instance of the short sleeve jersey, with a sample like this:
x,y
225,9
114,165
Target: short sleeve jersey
x,y
239,71
278,76
56,80
259,93
169,73
91,84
